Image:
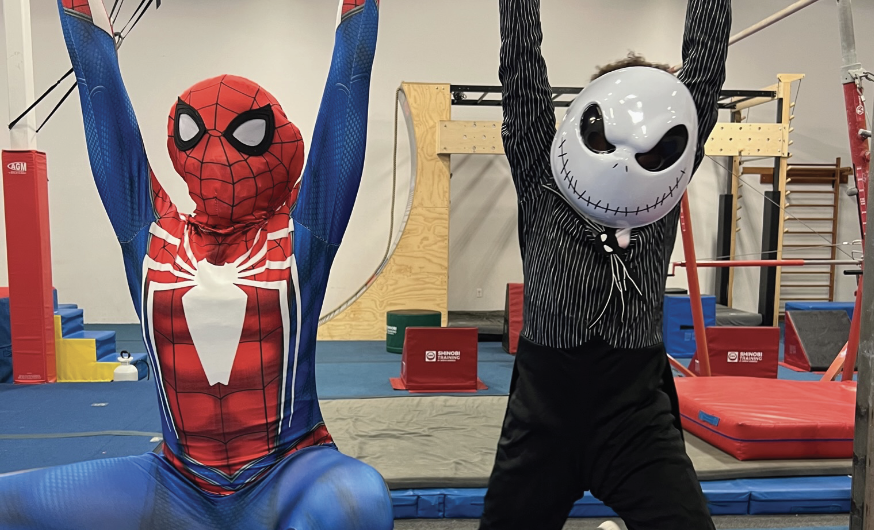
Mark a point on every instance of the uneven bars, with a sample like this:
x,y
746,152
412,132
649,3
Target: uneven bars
x,y
773,263
770,21
766,263
773,19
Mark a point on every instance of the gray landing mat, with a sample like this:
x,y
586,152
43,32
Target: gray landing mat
x,y
449,442
489,323
728,316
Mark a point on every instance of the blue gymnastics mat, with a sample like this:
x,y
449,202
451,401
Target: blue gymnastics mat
x,y
43,425
785,496
347,370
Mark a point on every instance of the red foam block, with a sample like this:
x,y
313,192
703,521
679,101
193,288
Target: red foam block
x,y
742,351
764,419
439,360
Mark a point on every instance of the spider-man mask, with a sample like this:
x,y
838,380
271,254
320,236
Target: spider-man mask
x,y
237,151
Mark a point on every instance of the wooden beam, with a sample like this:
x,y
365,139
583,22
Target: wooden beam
x,y
416,275
470,138
727,139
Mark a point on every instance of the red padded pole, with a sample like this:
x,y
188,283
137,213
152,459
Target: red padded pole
x,y
29,260
694,287
861,154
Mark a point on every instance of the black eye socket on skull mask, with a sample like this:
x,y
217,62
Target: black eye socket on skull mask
x,y
666,153
592,131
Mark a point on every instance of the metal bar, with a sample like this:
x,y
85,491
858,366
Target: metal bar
x,y
747,94
771,214
728,99
19,71
773,263
694,288
836,187
773,19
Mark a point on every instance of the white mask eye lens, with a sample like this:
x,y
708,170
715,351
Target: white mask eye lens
x,y
252,132
188,129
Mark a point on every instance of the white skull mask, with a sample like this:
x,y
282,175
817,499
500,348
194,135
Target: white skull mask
x,y
625,151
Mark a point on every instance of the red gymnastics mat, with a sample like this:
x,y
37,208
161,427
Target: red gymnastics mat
x,y
769,419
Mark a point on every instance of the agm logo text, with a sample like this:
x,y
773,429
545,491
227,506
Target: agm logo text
x,y
17,167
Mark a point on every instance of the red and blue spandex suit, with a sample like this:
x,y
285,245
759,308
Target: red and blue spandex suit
x,y
229,299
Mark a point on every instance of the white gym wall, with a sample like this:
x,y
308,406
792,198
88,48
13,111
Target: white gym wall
x,y
286,46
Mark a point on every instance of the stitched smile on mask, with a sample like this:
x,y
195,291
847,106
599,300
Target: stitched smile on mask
x,y
572,185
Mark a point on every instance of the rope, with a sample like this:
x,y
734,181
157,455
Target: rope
x,y
39,99
119,36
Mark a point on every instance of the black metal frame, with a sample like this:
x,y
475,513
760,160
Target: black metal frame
x,y
463,95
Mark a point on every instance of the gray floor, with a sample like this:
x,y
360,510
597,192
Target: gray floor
x,y
449,442
725,523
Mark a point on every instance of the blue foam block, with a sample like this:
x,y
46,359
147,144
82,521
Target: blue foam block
x,y
822,306
406,504
726,497
723,498
72,320
799,496
418,504
464,503
105,342
677,332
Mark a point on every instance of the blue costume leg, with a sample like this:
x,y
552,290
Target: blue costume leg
x,y
112,493
320,488
130,493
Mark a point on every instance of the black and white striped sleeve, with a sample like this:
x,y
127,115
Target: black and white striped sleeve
x,y
705,49
529,115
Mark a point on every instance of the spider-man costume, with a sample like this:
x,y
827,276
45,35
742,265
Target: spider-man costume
x,y
228,297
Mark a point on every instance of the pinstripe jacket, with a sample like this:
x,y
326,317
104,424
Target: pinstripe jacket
x,y
571,296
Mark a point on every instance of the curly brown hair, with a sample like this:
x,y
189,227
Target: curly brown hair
x,y
632,59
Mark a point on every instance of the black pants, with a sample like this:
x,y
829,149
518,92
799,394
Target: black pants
x,y
593,418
